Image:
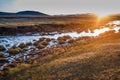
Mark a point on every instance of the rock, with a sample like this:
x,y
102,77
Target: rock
x,y
29,43
14,46
22,45
67,37
31,60
1,73
64,38
43,54
14,51
25,49
40,46
37,52
12,65
41,39
5,69
71,41
34,40
20,60
47,39
44,43
52,39
36,43
31,53
1,54
61,41
2,48
3,60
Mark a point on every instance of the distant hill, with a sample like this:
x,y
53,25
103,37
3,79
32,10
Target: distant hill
x,y
23,13
30,13
6,13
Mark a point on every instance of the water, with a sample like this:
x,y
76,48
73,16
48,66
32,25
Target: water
x,y
114,22
9,41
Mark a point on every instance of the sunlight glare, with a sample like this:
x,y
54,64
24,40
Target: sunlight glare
x,y
99,31
116,29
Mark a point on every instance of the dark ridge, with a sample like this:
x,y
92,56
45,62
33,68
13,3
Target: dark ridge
x,y
23,13
6,13
30,13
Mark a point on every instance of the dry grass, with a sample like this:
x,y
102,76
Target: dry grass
x,y
53,23
97,59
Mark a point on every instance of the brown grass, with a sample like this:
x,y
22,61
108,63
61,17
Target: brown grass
x,y
97,59
57,23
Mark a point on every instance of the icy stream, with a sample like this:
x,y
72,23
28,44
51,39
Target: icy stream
x,y
9,41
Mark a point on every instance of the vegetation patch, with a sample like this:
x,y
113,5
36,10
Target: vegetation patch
x,y
2,48
14,51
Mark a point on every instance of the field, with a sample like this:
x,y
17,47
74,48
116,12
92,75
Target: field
x,y
94,59
86,58
48,24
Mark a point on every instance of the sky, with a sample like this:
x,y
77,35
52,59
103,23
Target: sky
x,y
54,7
